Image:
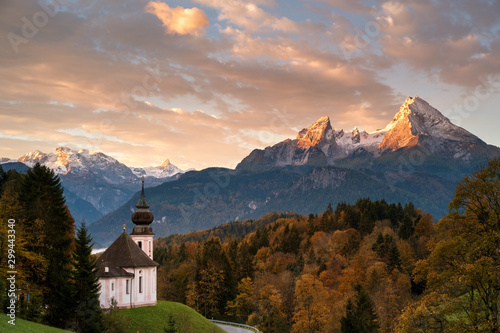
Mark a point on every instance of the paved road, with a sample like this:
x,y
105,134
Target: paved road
x,y
232,329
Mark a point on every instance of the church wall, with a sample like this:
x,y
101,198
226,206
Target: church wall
x,y
115,287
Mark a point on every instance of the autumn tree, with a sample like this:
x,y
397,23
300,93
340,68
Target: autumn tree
x,y
311,310
243,305
30,266
269,315
462,271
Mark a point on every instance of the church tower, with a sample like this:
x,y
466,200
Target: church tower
x,y
142,234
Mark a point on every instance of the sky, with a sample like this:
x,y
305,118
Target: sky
x,y
204,82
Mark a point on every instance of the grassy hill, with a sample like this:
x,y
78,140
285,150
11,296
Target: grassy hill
x,y
155,318
151,319
24,326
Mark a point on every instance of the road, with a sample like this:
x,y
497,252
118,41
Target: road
x,y
232,329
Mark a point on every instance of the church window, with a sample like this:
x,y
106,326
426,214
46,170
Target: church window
x,y
140,244
112,286
140,284
126,288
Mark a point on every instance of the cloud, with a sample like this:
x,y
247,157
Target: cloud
x,y
179,20
124,87
249,16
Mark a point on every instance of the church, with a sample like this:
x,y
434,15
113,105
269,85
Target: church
x,y
126,270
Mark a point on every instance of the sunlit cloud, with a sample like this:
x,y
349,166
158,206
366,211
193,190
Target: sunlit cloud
x,y
226,76
179,20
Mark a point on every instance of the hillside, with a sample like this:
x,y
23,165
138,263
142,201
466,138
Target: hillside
x,y
137,320
270,276
24,326
155,319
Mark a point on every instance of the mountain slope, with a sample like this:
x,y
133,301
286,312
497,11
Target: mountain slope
x,y
417,157
95,183
204,199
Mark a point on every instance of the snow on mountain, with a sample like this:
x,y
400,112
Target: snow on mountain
x,y
165,170
416,122
66,161
4,160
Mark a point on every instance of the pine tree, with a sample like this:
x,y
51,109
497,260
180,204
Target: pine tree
x,y
171,326
361,317
88,316
367,320
406,229
394,257
347,323
45,206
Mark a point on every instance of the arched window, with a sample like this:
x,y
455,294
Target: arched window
x,y
140,244
140,284
150,248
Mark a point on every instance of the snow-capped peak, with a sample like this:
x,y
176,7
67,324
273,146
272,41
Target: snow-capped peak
x,y
64,159
416,120
165,170
314,134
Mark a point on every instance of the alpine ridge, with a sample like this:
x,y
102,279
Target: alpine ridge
x,y
95,183
416,125
419,156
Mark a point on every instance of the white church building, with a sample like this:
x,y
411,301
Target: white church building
x,y
126,270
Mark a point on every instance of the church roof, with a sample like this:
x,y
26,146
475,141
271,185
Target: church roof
x,y
123,253
112,271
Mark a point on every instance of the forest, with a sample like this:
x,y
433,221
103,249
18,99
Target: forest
x,y
370,266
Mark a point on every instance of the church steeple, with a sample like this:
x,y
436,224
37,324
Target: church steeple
x,y
142,234
142,216
142,201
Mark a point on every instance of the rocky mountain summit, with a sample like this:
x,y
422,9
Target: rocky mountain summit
x,y
165,170
416,125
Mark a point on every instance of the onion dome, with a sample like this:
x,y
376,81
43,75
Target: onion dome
x,y
142,217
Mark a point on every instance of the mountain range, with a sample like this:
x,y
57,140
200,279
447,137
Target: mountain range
x,y
94,183
419,156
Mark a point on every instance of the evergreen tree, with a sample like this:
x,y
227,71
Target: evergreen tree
x,y
361,317
3,178
367,320
394,257
88,316
311,229
45,207
406,229
171,326
291,240
347,323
